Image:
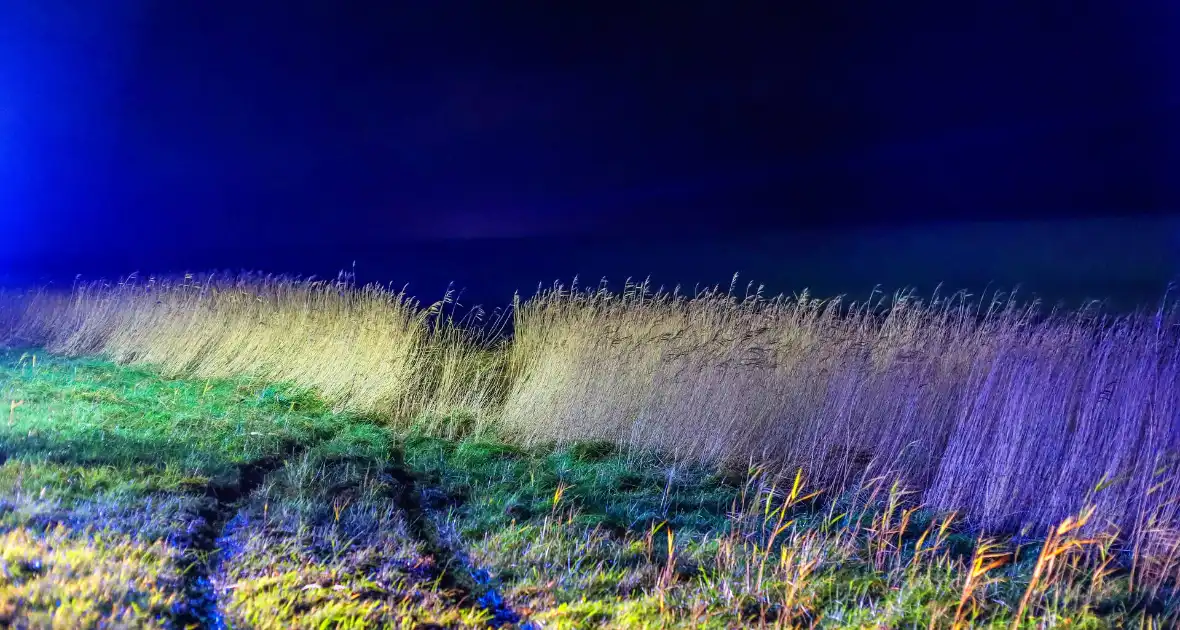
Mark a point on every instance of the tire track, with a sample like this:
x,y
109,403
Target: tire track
x,y
473,587
200,607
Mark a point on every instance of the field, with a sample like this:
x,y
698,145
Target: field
x,y
264,452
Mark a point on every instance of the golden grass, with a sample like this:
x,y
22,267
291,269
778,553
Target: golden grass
x,y
367,350
1013,416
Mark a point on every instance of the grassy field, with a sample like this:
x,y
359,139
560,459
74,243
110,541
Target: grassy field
x,y
260,452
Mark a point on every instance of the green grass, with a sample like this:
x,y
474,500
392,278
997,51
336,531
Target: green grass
x,y
91,412
117,474
121,491
327,543
57,578
586,536
611,489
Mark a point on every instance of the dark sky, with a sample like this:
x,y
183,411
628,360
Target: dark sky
x,y
187,126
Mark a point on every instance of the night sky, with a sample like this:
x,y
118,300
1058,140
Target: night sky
x,y
301,135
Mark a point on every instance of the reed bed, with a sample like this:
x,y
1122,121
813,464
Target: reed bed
x,y
367,350
1015,416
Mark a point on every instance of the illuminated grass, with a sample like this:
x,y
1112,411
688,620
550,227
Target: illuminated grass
x,y
119,486
326,543
65,579
986,405
91,412
991,407
327,456
583,537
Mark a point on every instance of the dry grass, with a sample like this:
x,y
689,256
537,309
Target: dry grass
x,y
367,350
1015,417
1012,416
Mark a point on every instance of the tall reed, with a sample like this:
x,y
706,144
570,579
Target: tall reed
x,y
365,349
1014,416
1017,417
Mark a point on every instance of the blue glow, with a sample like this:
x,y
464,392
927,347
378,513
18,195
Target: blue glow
x,y
62,65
